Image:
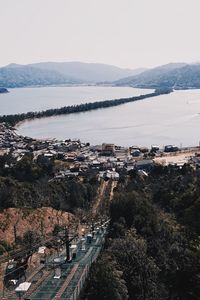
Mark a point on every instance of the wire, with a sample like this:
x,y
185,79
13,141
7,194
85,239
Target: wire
x,y
25,250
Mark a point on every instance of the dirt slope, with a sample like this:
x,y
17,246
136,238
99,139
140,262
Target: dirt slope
x,y
20,220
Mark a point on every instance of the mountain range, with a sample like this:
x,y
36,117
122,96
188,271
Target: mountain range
x,y
53,73
88,72
172,75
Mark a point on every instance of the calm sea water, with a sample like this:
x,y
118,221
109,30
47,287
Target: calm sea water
x,y
36,99
167,119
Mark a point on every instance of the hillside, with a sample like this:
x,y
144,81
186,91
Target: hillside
x,y
41,220
19,76
178,76
152,247
53,73
88,72
15,223
67,195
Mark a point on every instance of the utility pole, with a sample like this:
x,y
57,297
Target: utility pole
x,y
92,228
15,232
67,244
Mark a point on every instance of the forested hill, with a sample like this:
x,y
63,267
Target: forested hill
x,y
14,119
52,73
88,72
20,76
177,76
152,250
26,183
172,75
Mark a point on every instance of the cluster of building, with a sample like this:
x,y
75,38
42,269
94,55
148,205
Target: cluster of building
x,y
77,157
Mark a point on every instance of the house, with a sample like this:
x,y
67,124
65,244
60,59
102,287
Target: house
x,y
108,149
155,148
111,175
135,152
146,164
108,174
195,161
95,164
70,157
170,148
65,173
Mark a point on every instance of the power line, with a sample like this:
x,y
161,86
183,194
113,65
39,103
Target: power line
x,y
24,251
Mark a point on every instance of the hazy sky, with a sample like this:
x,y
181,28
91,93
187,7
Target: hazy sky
x,y
127,33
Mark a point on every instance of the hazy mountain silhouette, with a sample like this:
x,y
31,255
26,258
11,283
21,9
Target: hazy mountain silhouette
x,y
176,75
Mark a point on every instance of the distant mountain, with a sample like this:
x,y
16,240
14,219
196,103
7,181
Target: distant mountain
x,y
52,73
151,78
173,75
88,72
177,76
19,76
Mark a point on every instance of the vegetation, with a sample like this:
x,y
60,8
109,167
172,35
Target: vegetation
x,y
109,286
174,75
27,183
14,119
30,239
54,73
153,239
4,247
15,75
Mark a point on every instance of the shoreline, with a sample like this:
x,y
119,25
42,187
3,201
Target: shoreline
x,y
14,119
181,149
71,149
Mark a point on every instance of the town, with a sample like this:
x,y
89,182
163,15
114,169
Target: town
x,y
64,260
108,160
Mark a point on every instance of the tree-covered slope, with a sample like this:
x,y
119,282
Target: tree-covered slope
x,y
88,72
29,183
21,76
178,76
152,250
54,73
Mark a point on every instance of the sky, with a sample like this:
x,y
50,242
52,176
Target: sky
x,y
125,33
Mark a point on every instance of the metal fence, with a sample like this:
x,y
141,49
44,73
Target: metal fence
x,y
84,275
